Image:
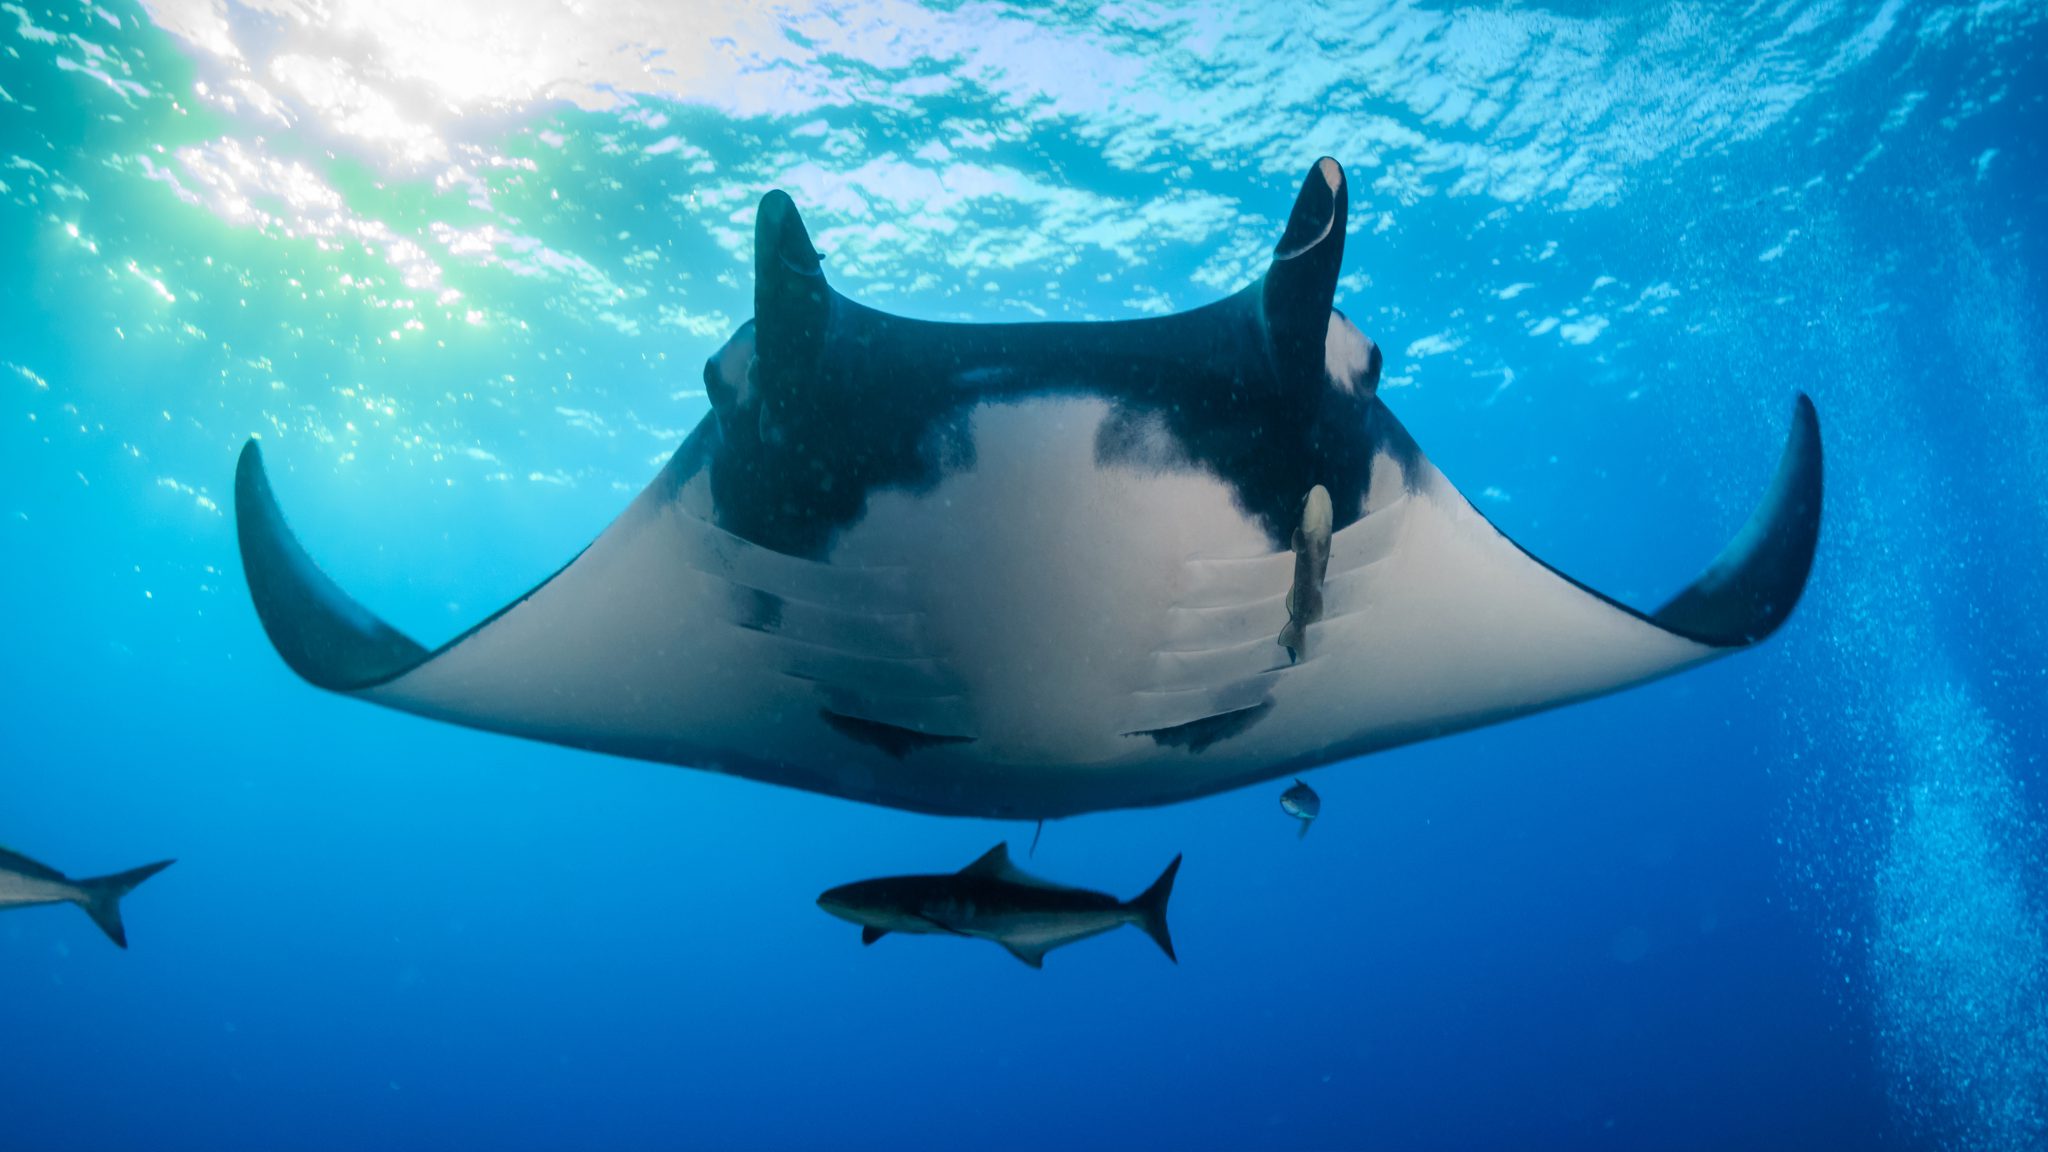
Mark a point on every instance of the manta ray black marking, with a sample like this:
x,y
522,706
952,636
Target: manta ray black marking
x,y
1033,570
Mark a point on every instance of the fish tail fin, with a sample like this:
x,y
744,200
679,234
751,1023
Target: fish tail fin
x,y
101,897
1303,835
1151,910
1291,638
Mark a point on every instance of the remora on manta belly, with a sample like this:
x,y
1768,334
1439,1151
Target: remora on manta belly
x,y
1034,570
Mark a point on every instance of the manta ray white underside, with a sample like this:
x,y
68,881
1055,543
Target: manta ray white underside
x,y
1036,570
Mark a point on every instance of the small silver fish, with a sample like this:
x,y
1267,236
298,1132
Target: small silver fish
x,y
1302,803
24,883
992,899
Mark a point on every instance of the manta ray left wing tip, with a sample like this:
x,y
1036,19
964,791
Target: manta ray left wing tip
x,y
323,635
1756,581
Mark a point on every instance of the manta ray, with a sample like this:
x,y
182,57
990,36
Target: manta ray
x,y
1034,570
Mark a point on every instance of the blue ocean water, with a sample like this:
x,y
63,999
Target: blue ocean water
x,y
459,264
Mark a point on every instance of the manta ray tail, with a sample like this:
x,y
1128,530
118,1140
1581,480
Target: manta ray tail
x,y
101,897
1150,908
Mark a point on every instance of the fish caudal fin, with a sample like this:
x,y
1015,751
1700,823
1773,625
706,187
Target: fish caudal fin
x,y
101,897
1151,910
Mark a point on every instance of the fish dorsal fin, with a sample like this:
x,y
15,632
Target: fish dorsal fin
x,y
1034,956
994,864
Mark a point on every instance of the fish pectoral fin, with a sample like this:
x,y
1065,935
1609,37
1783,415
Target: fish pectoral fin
x,y
323,635
1487,632
1752,585
1035,957
869,933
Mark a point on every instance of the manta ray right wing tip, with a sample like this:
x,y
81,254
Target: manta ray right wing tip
x,y
1756,581
323,635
